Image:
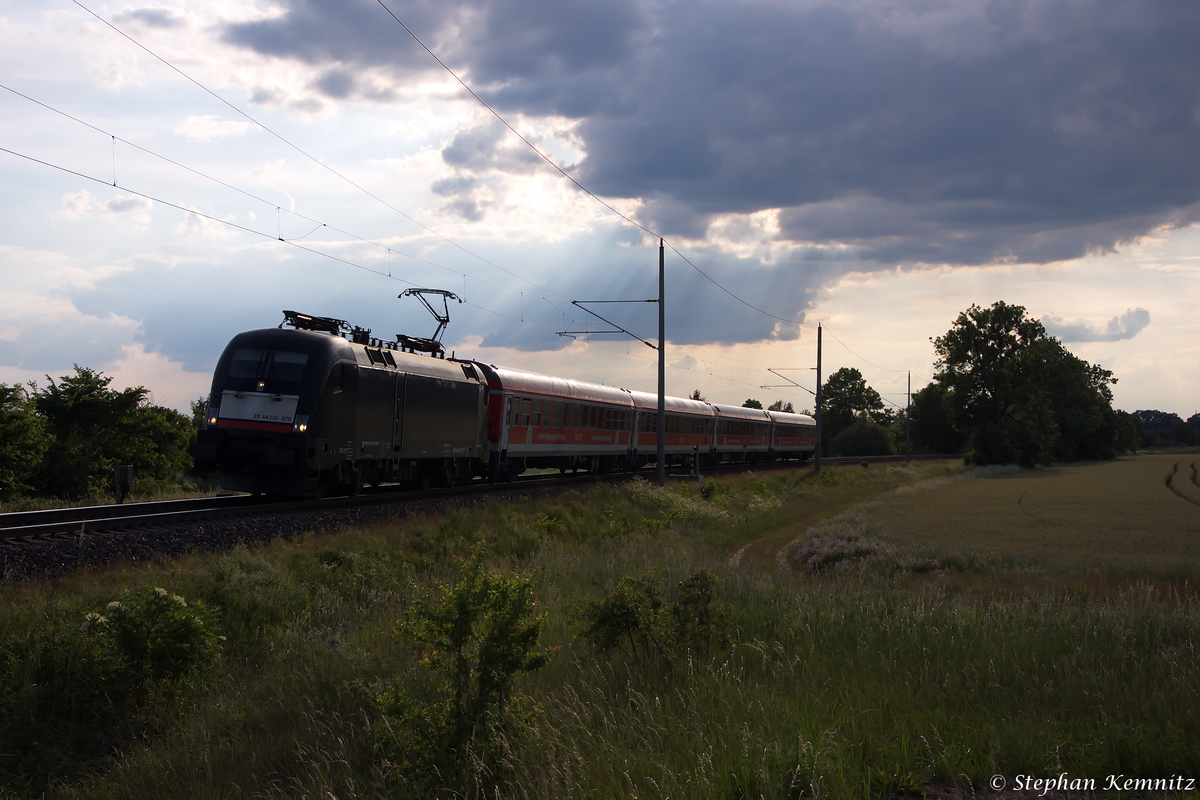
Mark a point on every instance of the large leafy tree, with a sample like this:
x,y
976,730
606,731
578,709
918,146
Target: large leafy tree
x,y
23,440
1018,394
95,428
933,428
845,396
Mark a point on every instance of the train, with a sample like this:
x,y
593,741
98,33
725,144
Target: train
x,y
317,407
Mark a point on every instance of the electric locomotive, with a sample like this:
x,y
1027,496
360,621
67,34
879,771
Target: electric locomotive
x,y
325,407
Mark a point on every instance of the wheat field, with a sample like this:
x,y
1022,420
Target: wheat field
x,y
1137,514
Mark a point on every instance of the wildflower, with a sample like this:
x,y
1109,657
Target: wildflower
x,y
91,619
113,606
179,600
161,592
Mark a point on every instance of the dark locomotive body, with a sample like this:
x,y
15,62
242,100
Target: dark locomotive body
x,y
324,408
303,412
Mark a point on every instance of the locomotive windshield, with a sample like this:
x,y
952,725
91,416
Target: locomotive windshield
x,y
279,371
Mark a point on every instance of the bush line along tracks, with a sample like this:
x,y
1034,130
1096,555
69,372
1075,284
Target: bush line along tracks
x,y
74,524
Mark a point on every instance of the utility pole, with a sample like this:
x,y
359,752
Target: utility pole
x,y
818,401
908,422
662,369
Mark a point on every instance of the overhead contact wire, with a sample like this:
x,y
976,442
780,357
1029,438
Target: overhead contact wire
x,y
291,243
572,178
308,155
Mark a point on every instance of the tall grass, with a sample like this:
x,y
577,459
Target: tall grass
x,y
869,680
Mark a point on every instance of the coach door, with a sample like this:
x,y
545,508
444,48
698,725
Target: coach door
x,y
509,400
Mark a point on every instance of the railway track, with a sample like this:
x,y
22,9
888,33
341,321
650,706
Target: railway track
x,y
56,542
99,519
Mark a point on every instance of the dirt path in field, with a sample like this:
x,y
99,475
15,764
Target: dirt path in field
x,y
829,501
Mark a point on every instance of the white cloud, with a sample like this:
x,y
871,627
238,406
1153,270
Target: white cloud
x,y
1125,326
195,226
76,205
207,128
169,383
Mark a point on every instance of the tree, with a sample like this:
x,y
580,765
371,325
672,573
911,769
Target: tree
x,y
863,437
23,440
752,403
779,405
1164,429
933,428
95,428
199,412
695,395
1129,432
1018,394
844,398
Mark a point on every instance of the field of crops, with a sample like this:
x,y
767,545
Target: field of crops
x,y
1133,515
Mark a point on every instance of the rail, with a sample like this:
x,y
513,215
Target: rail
x,y
99,519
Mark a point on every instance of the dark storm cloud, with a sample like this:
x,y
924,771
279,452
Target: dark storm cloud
x,y
972,132
1125,326
152,17
885,132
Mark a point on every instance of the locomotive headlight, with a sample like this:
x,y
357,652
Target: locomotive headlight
x,y
300,424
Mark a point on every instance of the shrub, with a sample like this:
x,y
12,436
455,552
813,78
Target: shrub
x,y
863,438
476,638
155,635
652,622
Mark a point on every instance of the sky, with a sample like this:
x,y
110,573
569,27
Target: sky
x,y
173,173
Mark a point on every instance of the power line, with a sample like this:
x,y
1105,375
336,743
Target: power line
x,y
352,183
246,193
856,355
306,154
293,243
570,177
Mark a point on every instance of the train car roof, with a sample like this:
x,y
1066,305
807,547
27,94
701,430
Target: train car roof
x,y
346,350
788,418
741,412
684,405
516,380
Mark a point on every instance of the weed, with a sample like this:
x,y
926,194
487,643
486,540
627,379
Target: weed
x,y
476,638
653,622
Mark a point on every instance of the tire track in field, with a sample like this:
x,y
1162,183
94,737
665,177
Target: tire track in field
x,y
1182,481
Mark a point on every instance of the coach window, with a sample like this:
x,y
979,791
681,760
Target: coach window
x,y
537,412
526,407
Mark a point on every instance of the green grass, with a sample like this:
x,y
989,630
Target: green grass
x,y
866,680
1118,516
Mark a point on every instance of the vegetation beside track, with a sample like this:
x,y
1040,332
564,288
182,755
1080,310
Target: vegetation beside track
x,y
863,677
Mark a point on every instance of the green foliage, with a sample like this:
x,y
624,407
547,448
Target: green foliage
x,y
695,395
1018,394
155,635
1164,429
752,403
779,405
476,638
651,622
845,397
1128,432
23,440
932,422
864,437
72,692
96,428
